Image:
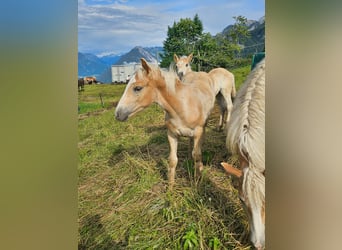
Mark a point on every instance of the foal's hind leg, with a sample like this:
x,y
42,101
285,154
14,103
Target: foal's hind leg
x,y
197,150
173,159
222,115
229,107
226,103
223,108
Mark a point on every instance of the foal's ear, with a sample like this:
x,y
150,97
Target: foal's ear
x,y
145,65
190,57
175,58
231,170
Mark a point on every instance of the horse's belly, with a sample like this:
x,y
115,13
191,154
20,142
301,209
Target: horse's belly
x,y
185,132
179,130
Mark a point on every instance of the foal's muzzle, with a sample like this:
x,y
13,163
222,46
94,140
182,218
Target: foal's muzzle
x,y
121,115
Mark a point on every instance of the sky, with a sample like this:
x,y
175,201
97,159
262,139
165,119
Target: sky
x,y
107,26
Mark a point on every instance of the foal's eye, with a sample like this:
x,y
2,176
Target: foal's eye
x,y
186,65
137,88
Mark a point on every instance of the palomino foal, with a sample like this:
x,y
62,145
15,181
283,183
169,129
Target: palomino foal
x,y
187,107
223,85
246,138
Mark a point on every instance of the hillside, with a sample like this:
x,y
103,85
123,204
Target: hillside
x,y
90,65
155,52
106,75
256,42
111,58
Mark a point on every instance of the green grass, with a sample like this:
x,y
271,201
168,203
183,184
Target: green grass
x,y
240,75
123,198
89,100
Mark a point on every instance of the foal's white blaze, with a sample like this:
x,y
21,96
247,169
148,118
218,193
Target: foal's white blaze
x,y
255,211
257,229
123,100
133,99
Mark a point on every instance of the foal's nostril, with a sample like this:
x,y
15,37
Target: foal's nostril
x,y
121,115
117,114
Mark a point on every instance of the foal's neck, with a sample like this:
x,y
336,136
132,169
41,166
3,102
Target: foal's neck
x,y
168,100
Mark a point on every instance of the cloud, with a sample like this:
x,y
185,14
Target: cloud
x,y
119,26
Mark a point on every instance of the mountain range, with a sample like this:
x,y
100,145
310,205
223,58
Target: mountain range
x,y
100,66
89,64
136,53
256,41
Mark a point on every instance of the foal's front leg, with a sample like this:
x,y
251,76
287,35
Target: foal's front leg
x,y
173,159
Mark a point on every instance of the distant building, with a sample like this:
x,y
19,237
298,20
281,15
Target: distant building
x,y
120,73
123,73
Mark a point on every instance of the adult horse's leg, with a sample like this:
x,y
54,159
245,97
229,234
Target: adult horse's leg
x,y
173,159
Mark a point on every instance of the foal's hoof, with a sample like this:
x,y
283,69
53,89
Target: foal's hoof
x,y
158,188
170,186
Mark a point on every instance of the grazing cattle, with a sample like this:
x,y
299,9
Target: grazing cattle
x,y
90,79
223,85
187,107
246,138
80,84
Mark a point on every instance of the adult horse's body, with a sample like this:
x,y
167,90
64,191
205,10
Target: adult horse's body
x,y
223,85
187,107
246,138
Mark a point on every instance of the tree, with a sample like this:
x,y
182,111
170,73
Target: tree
x,y
205,49
186,36
239,32
181,38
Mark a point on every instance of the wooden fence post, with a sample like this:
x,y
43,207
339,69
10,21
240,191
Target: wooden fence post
x,y
101,100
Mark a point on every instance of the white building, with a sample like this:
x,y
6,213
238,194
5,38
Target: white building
x,y
121,73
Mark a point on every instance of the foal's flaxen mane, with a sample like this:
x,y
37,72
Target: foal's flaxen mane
x,y
246,129
246,137
170,76
246,133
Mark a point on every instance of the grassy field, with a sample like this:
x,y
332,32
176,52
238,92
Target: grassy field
x,y
123,198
